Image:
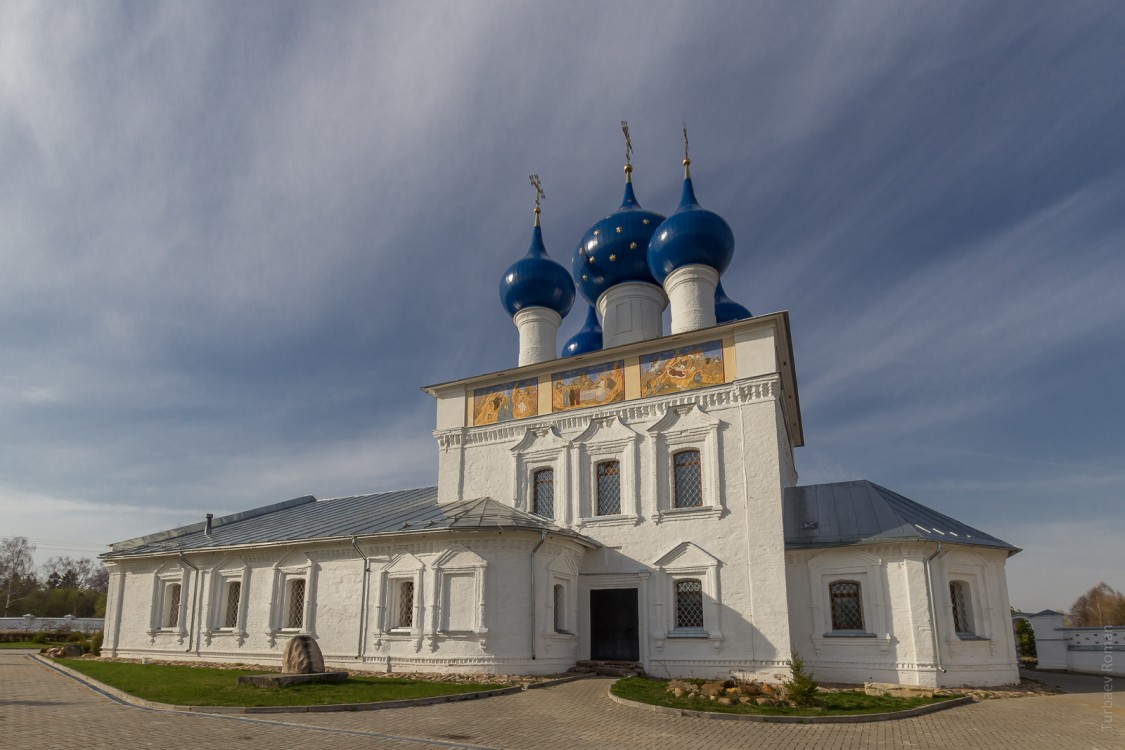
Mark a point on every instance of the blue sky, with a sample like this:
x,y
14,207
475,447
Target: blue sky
x,y
238,237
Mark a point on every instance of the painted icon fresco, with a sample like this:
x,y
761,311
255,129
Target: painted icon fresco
x,y
695,366
505,402
589,386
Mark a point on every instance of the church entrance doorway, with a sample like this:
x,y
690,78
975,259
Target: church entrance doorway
x,y
614,625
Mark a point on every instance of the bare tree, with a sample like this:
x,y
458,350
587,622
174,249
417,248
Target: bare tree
x,y
1099,606
17,568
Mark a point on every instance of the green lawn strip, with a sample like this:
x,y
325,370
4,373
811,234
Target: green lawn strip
x,y
648,690
30,644
199,686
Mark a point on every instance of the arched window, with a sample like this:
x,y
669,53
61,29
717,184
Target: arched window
x,y
560,608
847,605
543,499
962,607
609,488
688,481
689,603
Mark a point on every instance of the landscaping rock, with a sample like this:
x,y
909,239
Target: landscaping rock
x,y
71,650
762,701
711,689
897,691
302,656
285,680
725,701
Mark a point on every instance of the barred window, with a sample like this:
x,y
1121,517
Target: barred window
x,y
543,502
847,605
295,604
962,608
688,479
230,613
689,603
172,606
560,609
609,488
406,604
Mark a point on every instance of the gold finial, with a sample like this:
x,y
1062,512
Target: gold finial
x,y
539,194
628,151
687,161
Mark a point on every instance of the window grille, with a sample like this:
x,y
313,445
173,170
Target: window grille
x,y
689,482
172,619
230,613
295,609
544,500
962,613
560,609
406,604
609,488
689,603
847,605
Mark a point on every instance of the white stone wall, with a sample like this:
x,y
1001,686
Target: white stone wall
x,y
472,609
734,544
898,645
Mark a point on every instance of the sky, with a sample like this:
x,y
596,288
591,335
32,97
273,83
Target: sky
x,y
237,238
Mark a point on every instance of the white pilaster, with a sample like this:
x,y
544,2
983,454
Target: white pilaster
x,y
631,312
691,290
538,327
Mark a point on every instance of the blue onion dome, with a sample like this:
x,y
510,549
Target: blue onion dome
x,y
588,339
536,280
726,309
692,235
614,250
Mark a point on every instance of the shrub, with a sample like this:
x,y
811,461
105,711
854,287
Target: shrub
x,y
75,638
96,643
39,638
801,687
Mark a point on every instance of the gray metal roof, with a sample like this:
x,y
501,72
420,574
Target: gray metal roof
x,y
306,518
862,512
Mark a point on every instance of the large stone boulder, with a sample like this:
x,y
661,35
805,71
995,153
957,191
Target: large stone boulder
x,y
302,656
72,650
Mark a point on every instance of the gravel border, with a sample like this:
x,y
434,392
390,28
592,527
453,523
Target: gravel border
x,y
771,719
122,696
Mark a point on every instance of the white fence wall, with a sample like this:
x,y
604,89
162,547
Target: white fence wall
x,y
70,623
1092,650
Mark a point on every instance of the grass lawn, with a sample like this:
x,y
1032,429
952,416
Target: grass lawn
x,y
648,690
30,644
199,686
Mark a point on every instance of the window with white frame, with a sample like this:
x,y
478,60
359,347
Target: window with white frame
x,y
687,485
689,604
559,607
294,612
685,450
232,600
543,493
846,601
609,488
170,617
404,605
962,608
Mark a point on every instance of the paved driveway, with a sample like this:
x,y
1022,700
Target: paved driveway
x,y
41,709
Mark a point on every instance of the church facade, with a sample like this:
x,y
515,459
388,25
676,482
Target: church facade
x,y
634,500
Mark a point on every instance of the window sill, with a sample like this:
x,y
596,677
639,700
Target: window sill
x,y
690,634
971,637
677,514
614,520
849,634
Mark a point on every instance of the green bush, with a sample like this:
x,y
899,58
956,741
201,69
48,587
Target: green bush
x,y
801,687
39,638
96,643
75,638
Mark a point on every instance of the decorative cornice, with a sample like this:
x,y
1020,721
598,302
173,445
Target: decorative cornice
x,y
630,412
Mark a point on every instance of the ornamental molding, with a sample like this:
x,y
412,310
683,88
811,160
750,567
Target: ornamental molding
x,y
740,392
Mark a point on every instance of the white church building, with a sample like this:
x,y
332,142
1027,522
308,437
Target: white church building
x,y
635,499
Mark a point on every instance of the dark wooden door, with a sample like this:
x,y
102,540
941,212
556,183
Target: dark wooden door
x,y
614,630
